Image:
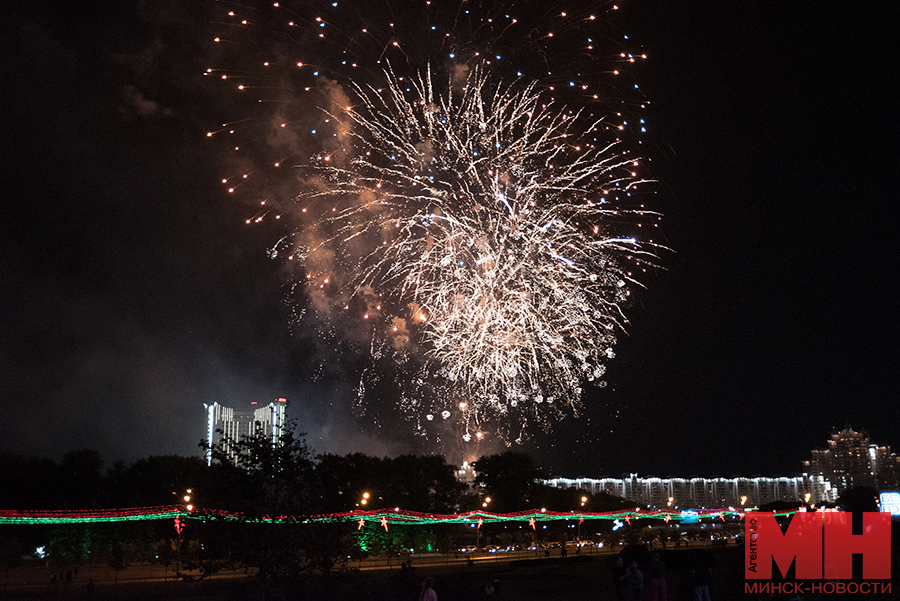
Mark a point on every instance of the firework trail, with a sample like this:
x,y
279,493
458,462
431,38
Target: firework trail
x,y
477,219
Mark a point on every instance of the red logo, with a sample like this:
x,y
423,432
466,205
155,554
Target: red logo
x,y
822,544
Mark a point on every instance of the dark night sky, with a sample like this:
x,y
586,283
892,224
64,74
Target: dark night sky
x,y
131,291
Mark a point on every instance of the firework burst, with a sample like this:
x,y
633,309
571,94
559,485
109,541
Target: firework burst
x,y
485,225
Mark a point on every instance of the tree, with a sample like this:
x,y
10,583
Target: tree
x,y
267,484
81,478
343,479
29,483
421,483
508,478
412,482
858,499
158,480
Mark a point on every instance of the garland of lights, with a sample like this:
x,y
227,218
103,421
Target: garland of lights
x,y
133,514
382,517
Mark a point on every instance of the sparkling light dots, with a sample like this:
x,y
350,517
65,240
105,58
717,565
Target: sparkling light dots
x,y
471,189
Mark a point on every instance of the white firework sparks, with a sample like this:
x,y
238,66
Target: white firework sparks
x,y
486,226
488,212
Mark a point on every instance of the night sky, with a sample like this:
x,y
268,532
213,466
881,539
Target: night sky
x,y
132,291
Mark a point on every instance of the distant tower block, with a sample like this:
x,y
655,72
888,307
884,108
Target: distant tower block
x,y
852,460
232,424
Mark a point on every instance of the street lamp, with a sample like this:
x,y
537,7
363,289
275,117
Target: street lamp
x,y
583,501
179,526
487,501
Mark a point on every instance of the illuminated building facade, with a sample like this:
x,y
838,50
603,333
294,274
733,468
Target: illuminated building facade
x,y
849,460
466,474
705,492
226,423
852,460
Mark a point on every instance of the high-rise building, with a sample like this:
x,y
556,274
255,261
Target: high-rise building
x,y
226,423
466,474
692,493
852,460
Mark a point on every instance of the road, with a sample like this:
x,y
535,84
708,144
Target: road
x,y
39,575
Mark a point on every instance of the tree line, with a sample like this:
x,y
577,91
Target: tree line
x,y
254,478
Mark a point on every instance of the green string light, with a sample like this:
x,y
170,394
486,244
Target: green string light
x,y
379,517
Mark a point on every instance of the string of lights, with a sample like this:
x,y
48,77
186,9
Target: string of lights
x,y
382,517
163,512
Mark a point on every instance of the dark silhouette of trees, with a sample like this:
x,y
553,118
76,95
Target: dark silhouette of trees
x,y
422,483
81,477
509,479
158,480
266,491
858,499
266,484
29,483
416,483
343,479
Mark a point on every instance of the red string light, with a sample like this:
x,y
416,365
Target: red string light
x,y
379,516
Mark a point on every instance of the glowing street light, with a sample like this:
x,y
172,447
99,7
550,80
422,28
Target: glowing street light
x,y
179,526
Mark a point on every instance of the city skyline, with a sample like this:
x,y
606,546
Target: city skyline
x,y
133,291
